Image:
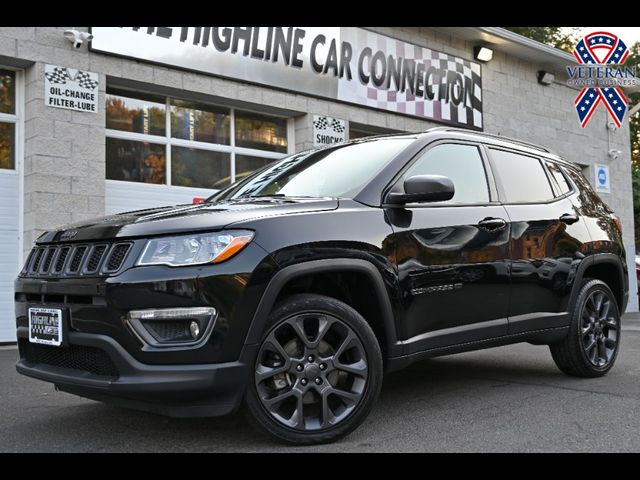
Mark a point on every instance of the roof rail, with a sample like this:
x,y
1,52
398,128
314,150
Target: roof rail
x,y
493,135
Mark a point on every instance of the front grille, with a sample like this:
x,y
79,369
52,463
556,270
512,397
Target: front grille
x,y
94,259
48,258
118,255
75,357
62,258
36,261
76,260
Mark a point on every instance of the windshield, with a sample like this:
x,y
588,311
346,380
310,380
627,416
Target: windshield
x,y
341,171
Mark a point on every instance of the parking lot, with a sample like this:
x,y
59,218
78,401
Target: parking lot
x,y
509,399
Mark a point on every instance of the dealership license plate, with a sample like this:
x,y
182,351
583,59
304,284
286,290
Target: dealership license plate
x,y
45,326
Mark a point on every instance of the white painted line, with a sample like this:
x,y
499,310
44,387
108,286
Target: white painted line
x,y
8,347
630,329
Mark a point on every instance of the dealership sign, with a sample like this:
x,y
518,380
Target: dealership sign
x,y
343,63
328,130
70,88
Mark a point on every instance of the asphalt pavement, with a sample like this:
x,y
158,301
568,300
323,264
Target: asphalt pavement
x,y
508,399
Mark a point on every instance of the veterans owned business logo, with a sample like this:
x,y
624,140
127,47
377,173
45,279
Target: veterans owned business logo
x,y
601,74
70,88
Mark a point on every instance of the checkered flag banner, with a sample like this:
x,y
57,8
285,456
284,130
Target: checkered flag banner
x,y
337,126
84,81
59,75
321,123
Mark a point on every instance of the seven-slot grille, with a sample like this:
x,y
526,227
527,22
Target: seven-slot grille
x,y
75,260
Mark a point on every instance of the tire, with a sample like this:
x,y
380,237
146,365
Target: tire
x,y
574,355
299,391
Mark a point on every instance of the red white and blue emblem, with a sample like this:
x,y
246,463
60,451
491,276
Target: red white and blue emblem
x,y
601,48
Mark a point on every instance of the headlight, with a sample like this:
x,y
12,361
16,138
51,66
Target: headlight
x,y
194,249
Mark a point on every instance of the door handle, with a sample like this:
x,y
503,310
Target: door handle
x,y
492,224
569,219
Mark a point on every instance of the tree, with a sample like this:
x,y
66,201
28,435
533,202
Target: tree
x,y
554,36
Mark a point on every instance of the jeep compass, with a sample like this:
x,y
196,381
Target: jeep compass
x,y
291,292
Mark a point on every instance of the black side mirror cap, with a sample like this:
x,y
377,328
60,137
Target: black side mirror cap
x,y
422,189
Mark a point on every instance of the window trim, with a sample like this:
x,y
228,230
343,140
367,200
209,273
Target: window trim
x,y
168,141
489,177
501,193
545,162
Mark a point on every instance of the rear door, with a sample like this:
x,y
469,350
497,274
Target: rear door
x,y
547,238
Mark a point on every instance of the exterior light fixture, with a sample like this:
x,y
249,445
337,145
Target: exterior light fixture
x,y
482,54
545,78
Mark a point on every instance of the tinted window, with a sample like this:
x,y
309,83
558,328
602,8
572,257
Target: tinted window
x,y
558,180
201,123
7,130
7,91
263,132
462,164
523,178
135,161
135,112
191,167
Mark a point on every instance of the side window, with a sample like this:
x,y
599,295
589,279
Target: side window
x,y
462,164
558,180
523,178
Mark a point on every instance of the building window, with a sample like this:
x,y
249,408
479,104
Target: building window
x,y
7,119
170,141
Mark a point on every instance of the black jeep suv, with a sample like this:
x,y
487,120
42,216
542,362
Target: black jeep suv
x,y
292,291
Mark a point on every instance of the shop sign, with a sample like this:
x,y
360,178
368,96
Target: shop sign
x,y
603,182
328,130
70,88
348,64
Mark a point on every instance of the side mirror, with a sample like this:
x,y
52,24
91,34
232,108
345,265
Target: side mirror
x,y
424,188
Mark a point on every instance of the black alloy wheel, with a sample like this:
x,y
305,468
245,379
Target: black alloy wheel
x,y
592,344
317,372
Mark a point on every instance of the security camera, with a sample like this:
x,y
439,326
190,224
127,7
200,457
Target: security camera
x,y
76,37
614,154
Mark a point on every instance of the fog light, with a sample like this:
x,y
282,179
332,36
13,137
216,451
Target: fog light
x,y
172,327
194,328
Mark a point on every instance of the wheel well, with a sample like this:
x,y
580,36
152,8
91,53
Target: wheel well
x,y
353,288
609,274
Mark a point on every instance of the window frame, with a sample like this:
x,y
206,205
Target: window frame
x,y
489,177
167,141
545,163
501,192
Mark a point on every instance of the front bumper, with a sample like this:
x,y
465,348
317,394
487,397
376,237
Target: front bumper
x,y
174,390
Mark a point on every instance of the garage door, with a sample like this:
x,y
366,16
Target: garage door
x,y
9,252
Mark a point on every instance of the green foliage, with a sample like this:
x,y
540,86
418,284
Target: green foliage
x,y
553,36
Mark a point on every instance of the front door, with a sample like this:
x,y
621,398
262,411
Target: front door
x,y
452,257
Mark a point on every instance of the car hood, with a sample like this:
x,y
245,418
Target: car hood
x,y
184,218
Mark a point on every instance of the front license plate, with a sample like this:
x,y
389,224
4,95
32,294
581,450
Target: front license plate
x,y
45,326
